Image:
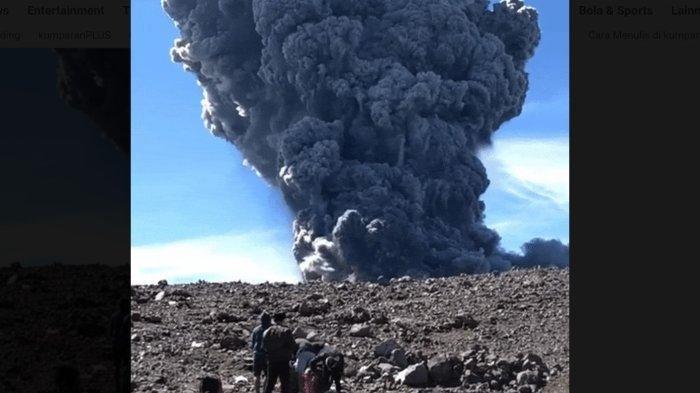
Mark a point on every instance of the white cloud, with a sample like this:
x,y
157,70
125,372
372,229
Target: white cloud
x,y
536,170
529,192
251,257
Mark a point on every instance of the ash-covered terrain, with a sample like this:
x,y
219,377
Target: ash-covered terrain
x,y
471,333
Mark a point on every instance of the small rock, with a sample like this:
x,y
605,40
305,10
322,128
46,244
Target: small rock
x,y
307,309
180,293
387,368
152,319
398,358
225,317
527,378
232,342
380,320
465,321
385,348
360,330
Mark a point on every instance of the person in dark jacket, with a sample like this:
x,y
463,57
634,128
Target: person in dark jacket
x,y
280,348
307,351
259,358
328,366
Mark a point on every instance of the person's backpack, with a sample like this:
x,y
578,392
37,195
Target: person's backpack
x,y
278,343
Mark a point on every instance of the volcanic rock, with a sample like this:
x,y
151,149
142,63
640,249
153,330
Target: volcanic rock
x,y
385,348
360,330
233,342
445,370
415,375
491,355
398,358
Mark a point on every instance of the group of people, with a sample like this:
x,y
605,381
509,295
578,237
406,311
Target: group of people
x,y
299,365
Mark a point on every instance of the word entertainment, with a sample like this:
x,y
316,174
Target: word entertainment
x,y
685,10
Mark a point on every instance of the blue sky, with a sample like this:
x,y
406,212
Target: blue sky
x,y
199,213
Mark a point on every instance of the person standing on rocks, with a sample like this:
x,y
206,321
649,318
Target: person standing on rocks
x,y
259,357
279,346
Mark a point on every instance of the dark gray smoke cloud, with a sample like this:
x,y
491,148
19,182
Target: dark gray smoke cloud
x,y
540,252
368,115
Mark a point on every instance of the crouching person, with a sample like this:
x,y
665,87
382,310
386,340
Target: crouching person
x,y
327,369
307,351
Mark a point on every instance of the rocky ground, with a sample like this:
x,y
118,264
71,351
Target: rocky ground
x,y
495,332
54,316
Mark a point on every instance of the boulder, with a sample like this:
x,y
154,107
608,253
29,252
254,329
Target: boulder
x,y
385,348
445,370
415,375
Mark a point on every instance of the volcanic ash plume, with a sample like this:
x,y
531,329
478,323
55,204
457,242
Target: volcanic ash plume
x,y
368,115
